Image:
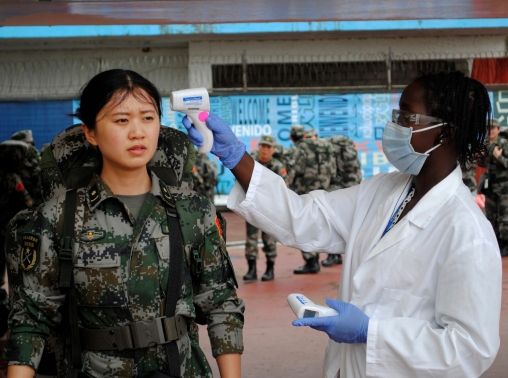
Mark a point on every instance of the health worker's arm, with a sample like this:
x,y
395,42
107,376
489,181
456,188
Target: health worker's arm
x,y
308,222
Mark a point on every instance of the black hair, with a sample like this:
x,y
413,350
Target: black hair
x,y
462,103
105,85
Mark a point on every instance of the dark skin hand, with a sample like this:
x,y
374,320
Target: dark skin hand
x,y
440,163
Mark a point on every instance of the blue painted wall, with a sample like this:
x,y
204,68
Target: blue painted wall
x,y
44,118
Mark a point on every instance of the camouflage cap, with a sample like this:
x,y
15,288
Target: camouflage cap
x,y
267,139
494,122
297,131
24,135
310,133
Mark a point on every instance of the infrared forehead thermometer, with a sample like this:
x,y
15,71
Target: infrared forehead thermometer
x,y
303,307
195,102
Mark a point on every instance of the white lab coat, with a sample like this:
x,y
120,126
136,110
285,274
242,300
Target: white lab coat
x,y
431,286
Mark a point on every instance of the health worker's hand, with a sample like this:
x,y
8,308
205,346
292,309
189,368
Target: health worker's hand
x,y
226,145
349,326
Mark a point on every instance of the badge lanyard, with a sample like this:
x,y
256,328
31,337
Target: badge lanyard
x,y
395,217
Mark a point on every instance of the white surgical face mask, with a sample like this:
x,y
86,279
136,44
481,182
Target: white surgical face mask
x,y
399,151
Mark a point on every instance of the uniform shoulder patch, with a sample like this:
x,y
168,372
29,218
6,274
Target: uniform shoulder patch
x,y
219,227
30,251
94,195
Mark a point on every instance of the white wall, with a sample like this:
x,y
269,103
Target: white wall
x,y
202,55
59,74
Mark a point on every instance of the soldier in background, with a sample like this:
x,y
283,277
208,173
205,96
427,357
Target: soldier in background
x,y
265,157
496,204
296,135
19,189
349,173
205,176
312,167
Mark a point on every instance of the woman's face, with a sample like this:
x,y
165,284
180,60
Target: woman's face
x,y
412,100
126,133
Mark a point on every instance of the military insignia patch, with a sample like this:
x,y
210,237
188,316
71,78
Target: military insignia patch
x,y
166,195
165,228
92,235
94,194
30,251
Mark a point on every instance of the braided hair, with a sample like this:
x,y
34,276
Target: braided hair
x,y
462,103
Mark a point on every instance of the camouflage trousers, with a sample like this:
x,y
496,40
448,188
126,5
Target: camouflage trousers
x,y
496,210
251,244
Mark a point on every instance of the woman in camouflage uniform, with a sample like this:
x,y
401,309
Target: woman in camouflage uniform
x,y
121,264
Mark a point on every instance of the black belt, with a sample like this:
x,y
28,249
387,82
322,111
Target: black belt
x,y
135,335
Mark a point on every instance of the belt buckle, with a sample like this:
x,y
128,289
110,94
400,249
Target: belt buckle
x,y
147,333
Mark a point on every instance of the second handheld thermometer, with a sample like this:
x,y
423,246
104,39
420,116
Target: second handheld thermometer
x,y
195,102
303,307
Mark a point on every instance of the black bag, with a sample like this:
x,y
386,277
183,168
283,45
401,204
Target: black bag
x,y
485,185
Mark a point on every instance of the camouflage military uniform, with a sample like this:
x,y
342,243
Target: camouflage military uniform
x,y
269,243
120,274
19,189
205,176
349,171
313,166
496,206
469,177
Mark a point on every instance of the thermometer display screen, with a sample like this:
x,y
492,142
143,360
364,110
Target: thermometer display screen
x,y
309,314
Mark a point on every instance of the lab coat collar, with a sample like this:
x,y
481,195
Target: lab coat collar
x,y
428,206
420,215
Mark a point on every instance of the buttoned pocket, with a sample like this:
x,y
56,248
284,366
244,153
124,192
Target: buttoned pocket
x,y
397,303
98,275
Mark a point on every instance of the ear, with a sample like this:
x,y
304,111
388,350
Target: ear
x,y
446,135
89,134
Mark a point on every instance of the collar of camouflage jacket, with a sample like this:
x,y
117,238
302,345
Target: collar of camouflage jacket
x,y
98,191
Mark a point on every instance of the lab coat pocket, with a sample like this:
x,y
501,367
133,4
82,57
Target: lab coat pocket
x,y
397,303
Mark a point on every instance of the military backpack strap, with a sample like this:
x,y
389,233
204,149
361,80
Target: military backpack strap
x,y
174,285
66,281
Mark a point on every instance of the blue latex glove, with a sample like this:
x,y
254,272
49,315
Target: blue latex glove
x,y
226,145
350,326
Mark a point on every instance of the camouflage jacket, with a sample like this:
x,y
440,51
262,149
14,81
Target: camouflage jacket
x,y
19,179
314,166
120,275
349,171
273,164
498,168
